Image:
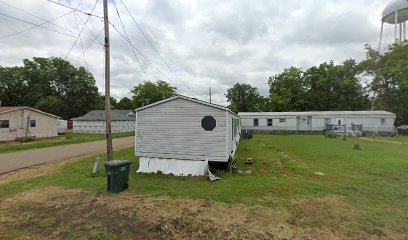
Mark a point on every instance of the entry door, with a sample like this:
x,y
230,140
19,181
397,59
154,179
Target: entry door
x,y
304,123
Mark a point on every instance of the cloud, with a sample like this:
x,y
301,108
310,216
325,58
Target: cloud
x,y
206,43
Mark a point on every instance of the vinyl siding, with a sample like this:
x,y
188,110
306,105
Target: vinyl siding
x,y
232,141
46,125
371,122
99,127
173,130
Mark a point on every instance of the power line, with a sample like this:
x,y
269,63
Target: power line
x,y
39,25
127,38
31,28
83,27
79,3
131,44
150,43
77,10
90,30
80,41
95,37
47,21
83,52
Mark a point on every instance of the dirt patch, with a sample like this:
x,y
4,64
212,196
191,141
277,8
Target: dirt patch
x,y
334,212
54,212
327,206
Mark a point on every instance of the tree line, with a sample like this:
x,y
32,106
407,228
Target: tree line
x,y
56,86
379,82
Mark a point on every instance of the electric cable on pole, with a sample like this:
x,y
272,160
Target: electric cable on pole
x,y
109,149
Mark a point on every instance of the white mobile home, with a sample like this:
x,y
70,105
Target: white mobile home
x,y
180,135
95,122
17,122
368,122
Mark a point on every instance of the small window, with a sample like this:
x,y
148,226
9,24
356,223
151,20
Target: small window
x,y
303,120
339,122
269,122
235,126
382,120
4,123
327,121
33,123
282,120
256,122
208,123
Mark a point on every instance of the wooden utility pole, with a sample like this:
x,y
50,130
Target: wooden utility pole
x,y
107,83
210,93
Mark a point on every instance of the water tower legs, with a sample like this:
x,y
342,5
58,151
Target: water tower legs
x,y
381,33
396,27
400,32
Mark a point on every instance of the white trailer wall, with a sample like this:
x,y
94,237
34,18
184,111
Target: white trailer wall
x,y
100,127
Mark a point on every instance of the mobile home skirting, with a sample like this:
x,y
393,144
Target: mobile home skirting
x,y
177,167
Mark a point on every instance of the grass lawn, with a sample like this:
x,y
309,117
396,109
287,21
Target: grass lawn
x,y
320,183
399,139
68,138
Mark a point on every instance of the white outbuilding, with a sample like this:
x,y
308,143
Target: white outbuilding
x,y
95,122
18,122
368,122
181,135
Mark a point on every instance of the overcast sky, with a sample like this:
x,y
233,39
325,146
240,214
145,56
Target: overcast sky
x,y
205,43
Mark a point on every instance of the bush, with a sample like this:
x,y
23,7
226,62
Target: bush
x,y
246,135
356,146
330,134
25,139
281,132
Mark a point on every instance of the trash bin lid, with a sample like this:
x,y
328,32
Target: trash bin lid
x,y
115,163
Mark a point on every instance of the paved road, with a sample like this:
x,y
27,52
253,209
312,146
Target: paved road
x,y
22,159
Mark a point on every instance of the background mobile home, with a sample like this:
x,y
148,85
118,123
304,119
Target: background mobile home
x,y
369,122
17,122
180,135
95,122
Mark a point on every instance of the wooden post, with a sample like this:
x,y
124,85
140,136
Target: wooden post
x,y
107,83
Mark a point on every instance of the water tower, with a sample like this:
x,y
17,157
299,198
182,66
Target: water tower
x,y
396,13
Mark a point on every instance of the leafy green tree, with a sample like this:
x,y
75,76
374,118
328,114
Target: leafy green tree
x,y
40,78
320,85
319,88
349,93
264,104
125,103
288,91
53,105
242,97
150,92
113,102
335,87
389,73
13,86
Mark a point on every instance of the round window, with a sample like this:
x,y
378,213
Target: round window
x,y
208,123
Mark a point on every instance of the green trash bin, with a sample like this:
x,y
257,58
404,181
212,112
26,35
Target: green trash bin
x,y
117,175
